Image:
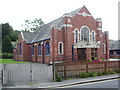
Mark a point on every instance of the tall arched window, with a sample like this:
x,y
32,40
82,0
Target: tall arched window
x,y
60,48
20,47
93,35
47,48
39,49
85,34
32,49
76,36
104,48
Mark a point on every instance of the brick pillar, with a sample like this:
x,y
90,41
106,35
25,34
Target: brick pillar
x,y
107,44
88,54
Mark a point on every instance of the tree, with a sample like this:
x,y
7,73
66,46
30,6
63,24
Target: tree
x,y
7,46
7,30
14,36
32,25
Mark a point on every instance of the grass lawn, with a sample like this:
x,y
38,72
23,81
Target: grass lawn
x,y
5,61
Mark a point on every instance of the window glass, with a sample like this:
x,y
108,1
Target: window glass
x,y
47,48
39,49
85,34
20,49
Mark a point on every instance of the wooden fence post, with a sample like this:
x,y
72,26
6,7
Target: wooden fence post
x,y
64,71
86,67
105,66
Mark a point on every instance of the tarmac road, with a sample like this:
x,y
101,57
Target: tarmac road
x,y
100,84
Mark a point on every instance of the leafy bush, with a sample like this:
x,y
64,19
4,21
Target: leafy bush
x,y
7,46
84,75
92,74
90,60
99,73
95,58
7,55
117,71
105,73
58,77
102,59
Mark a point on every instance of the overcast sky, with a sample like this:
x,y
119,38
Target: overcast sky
x,y
16,11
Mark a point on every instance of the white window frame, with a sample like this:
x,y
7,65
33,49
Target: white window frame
x,y
88,31
59,48
75,35
104,48
92,36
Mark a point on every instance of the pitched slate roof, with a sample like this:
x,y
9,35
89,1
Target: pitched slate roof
x,y
28,36
114,45
43,32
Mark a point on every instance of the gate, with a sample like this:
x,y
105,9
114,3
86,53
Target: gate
x,y
26,73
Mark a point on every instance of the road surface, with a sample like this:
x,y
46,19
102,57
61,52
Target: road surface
x,y
101,84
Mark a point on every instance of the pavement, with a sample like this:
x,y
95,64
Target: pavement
x,y
65,82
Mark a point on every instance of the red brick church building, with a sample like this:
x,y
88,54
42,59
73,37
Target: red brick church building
x,y
75,34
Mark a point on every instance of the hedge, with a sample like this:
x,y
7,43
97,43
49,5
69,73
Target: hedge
x,y
7,55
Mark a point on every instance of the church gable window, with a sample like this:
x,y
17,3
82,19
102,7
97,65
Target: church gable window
x,y
85,34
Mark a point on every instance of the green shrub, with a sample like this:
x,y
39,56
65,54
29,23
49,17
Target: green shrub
x,y
92,74
84,75
7,46
7,55
95,58
99,73
90,60
102,59
111,72
58,77
117,71
105,73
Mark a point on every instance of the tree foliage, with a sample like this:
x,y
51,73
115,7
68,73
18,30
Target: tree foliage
x,y
7,30
14,36
7,46
32,25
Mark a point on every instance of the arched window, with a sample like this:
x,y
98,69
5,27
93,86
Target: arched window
x,y
93,35
39,49
60,48
76,36
47,48
32,49
104,48
20,47
85,34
